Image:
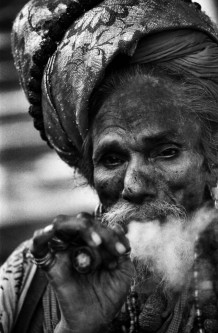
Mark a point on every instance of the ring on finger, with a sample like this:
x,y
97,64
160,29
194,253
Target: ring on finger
x,y
45,262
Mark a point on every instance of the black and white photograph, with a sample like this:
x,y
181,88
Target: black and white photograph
x,y
109,166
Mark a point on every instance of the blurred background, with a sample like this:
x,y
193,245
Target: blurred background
x,y
35,185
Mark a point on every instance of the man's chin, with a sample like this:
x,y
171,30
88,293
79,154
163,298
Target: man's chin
x,y
148,277
163,250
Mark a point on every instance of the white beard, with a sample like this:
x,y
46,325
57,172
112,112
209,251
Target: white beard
x,y
166,249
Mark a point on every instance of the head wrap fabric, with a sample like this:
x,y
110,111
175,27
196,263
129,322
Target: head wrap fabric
x,y
187,50
87,48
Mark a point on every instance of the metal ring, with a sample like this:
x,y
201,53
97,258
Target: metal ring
x,y
45,262
83,259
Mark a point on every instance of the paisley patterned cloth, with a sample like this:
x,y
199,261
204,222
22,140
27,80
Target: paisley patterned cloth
x,y
15,278
89,45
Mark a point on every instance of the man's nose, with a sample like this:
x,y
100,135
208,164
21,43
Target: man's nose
x,y
139,183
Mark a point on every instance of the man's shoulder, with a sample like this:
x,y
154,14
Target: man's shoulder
x,y
20,255
16,269
15,277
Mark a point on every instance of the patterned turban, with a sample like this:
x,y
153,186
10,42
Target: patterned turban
x,y
63,47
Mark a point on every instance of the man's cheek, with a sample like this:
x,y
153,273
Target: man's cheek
x,y
108,185
195,189
188,188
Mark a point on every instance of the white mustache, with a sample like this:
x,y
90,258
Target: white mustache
x,y
124,212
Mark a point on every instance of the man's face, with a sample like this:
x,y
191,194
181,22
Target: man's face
x,y
148,168
146,149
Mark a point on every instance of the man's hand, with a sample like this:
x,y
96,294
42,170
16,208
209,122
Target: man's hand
x,y
88,302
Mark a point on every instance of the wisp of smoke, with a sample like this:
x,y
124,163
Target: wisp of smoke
x,y
164,247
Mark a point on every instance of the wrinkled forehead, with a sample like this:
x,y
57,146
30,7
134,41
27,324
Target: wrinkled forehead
x,y
145,106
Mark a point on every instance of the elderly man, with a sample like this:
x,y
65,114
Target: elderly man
x,y
126,91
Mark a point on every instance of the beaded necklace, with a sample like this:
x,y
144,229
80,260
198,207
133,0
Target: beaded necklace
x,y
204,281
133,310
198,311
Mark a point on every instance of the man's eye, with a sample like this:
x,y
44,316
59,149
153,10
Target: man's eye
x,y
169,152
166,153
111,160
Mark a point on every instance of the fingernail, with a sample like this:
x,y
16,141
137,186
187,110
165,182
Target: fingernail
x,y
120,248
96,238
48,228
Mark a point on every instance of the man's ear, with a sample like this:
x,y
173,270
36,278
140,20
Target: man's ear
x,y
212,176
212,182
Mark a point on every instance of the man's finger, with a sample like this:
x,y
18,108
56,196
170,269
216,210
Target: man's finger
x,y
39,246
112,248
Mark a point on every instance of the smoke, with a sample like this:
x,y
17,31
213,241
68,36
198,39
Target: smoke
x,y
162,241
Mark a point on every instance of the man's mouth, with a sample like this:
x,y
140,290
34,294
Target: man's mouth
x,y
123,213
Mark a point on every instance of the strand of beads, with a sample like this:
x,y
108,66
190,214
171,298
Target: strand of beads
x,y
205,300
132,308
198,311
